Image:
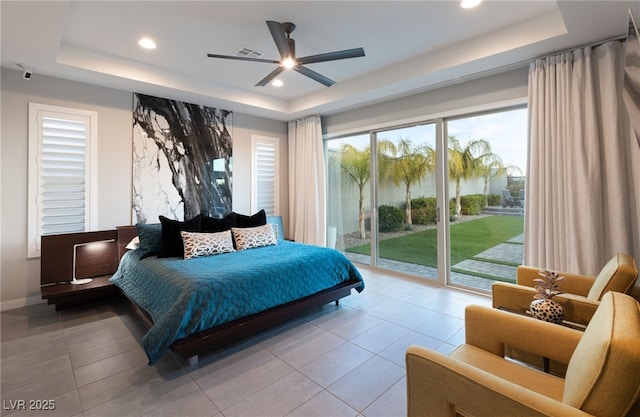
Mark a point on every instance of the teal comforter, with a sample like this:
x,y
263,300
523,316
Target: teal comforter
x,y
187,296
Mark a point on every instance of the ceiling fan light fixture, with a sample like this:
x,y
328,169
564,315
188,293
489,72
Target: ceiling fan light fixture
x,y
288,63
469,4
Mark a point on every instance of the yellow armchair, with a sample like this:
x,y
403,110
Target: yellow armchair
x,y
582,293
603,374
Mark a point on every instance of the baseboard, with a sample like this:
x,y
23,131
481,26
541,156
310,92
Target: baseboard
x,y
21,302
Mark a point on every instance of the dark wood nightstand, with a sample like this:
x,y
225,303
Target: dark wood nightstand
x,y
67,295
83,255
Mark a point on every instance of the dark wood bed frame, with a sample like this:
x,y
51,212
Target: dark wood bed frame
x,y
208,340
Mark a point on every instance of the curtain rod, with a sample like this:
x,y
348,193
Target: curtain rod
x,y
587,45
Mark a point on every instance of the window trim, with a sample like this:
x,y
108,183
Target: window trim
x,y
36,111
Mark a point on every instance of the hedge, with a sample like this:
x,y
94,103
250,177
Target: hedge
x,y
472,203
390,218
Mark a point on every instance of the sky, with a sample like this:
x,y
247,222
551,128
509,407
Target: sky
x,y
505,131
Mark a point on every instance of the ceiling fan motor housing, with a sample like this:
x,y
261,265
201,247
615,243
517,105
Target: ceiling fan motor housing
x,y
288,27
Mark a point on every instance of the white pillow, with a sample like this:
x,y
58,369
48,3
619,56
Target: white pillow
x,y
254,237
206,244
133,243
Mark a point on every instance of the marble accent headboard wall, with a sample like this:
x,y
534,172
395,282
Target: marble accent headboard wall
x,y
182,159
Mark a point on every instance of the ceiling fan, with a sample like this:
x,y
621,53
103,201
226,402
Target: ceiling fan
x,y
287,47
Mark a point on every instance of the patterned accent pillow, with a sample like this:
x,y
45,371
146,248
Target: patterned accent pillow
x,y
206,244
254,237
171,241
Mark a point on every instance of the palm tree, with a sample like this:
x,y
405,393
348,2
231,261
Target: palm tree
x,y
466,162
407,164
493,167
355,167
496,169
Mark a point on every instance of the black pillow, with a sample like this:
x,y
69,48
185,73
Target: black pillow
x,y
212,224
171,240
258,219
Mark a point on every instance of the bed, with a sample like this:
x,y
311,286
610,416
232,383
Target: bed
x,y
193,306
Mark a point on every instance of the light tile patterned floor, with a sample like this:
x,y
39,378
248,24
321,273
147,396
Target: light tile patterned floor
x,y
335,361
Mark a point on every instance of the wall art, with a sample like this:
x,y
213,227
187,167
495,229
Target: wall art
x,y
182,160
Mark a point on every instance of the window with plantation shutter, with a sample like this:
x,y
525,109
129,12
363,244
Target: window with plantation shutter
x,y
264,177
61,154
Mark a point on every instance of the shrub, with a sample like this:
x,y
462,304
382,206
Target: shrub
x,y
493,200
423,210
390,218
420,216
420,202
514,189
472,203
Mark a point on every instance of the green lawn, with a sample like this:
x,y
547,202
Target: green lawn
x,y
468,239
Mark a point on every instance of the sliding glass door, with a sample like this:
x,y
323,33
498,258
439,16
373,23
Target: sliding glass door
x,y
441,200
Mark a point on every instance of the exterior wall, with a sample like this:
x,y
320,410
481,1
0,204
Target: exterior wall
x,y
342,211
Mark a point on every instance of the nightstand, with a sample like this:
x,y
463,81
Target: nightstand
x,y
68,295
70,256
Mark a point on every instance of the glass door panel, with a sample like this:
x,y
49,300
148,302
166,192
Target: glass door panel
x,y
406,200
348,196
487,157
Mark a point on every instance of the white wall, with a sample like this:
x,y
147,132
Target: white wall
x,y
495,91
19,276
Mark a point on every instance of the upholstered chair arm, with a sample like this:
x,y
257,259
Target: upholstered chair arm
x,y
438,386
516,298
577,309
511,297
572,283
491,329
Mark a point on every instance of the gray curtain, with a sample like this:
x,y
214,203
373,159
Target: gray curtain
x,y
583,179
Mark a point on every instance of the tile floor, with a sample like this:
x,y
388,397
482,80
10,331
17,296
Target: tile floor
x,y
335,361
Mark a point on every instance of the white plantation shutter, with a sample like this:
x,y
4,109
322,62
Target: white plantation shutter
x,y
63,167
60,164
264,178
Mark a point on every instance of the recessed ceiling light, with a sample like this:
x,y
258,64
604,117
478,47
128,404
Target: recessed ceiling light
x,y
147,43
277,83
469,4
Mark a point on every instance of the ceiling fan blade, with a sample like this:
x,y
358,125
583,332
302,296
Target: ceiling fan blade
x,y
266,80
243,58
314,75
332,56
280,38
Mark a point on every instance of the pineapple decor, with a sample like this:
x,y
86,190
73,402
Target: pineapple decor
x,y
543,307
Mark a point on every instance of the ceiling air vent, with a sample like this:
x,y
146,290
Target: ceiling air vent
x,y
249,53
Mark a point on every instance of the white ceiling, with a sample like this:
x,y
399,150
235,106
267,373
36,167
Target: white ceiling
x,y
410,45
